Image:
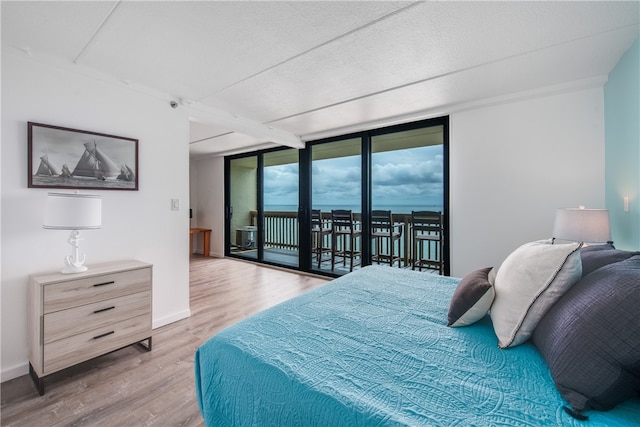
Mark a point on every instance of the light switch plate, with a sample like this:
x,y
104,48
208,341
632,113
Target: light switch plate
x,y
175,204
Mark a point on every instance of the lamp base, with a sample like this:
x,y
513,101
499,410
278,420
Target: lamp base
x,y
72,270
74,263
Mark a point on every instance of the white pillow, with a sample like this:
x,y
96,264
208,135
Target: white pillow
x,y
528,283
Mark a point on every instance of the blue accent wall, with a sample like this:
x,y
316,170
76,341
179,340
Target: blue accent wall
x,y
622,148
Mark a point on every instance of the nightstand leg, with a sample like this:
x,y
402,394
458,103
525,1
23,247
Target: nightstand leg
x,y
39,382
148,346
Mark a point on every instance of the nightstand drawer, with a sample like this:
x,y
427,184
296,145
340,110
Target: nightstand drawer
x,y
78,348
73,293
63,324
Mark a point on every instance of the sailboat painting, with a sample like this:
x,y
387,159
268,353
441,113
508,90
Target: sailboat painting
x,y
70,158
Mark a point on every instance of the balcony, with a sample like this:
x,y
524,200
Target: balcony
x,y
281,237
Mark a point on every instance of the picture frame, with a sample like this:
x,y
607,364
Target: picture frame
x,y
61,157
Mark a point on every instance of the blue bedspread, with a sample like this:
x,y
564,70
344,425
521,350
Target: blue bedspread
x,y
371,349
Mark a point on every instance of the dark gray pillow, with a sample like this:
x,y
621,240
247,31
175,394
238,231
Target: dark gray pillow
x,y
596,256
472,298
598,247
590,338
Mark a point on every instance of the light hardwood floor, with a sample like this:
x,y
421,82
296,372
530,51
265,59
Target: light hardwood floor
x,y
132,387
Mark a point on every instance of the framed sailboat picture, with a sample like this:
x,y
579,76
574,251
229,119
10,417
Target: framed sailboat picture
x,y
70,158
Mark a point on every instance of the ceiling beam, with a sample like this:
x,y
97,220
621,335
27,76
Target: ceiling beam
x,y
265,133
196,111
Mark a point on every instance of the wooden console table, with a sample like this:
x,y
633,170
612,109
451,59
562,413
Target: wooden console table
x,y
206,236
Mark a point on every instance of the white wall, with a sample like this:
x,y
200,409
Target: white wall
x,y
513,164
136,224
207,192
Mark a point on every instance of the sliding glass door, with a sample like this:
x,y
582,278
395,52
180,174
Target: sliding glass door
x,y
262,207
242,207
407,174
336,184
280,202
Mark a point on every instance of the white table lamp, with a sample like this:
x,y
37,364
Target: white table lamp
x,y
582,225
75,212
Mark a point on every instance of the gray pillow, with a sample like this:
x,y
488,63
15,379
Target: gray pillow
x,y
590,338
596,256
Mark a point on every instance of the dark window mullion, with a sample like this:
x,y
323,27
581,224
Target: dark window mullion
x,y
227,206
304,208
365,153
260,204
445,201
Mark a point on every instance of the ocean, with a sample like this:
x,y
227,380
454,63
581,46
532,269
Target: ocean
x,y
356,208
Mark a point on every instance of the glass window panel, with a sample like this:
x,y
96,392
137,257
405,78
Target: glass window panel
x,y
335,184
243,181
280,199
407,170
407,173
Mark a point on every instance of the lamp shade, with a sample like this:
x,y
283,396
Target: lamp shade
x,y
73,211
582,225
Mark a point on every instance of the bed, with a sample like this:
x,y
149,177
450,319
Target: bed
x,y
372,348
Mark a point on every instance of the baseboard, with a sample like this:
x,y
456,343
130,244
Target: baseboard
x,y
157,323
211,254
14,372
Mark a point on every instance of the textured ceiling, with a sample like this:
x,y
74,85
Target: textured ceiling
x,y
252,74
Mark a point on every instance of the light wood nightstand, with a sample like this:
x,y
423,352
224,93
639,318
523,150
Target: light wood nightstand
x,y
76,317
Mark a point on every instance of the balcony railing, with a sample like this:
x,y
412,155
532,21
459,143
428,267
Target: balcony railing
x,y
281,231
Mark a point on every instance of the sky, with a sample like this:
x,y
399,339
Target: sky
x,y
400,178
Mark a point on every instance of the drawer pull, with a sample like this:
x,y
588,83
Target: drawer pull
x,y
104,309
104,335
104,284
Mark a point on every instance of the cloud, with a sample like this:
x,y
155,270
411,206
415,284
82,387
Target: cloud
x,y
336,183
408,177
281,184
402,177
423,173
